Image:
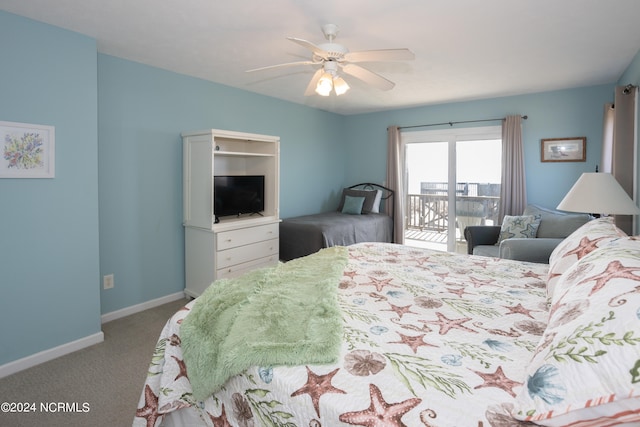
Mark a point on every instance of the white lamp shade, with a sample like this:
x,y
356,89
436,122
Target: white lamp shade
x,y
598,193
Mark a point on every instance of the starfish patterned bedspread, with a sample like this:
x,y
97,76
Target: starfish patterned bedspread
x,y
430,339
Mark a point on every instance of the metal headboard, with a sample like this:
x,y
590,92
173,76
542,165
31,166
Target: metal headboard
x,y
387,193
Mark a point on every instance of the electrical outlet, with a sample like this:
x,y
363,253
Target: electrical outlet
x,y
107,281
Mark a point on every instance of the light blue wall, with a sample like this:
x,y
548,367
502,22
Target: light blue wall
x,y
142,111
566,113
118,159
49,261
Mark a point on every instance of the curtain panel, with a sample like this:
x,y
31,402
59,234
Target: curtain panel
x,y
624,148
513,188
395,181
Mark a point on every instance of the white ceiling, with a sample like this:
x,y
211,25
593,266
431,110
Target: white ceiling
x,y
465,49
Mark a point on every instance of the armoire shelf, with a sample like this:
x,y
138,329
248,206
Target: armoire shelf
x,y
242,154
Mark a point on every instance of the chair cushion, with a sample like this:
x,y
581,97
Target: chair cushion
x,y
487,250
555,223
531,250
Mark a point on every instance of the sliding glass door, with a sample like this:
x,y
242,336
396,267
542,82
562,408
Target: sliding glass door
x,y
452,181
427,177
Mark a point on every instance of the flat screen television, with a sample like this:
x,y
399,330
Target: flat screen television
x,y
238,194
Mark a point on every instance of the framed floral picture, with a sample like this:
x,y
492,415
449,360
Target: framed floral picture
x,y
26,150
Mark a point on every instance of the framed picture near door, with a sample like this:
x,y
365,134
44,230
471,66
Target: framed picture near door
x,y
564,149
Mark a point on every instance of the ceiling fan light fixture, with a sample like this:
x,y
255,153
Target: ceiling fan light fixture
x,y
340,86
325,84
331,56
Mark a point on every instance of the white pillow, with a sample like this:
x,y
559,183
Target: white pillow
x,y
376,202
578,244
586,369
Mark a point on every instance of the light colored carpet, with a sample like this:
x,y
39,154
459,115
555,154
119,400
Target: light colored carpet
x,y
108,376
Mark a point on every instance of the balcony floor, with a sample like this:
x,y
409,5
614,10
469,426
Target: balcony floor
x,y
431,240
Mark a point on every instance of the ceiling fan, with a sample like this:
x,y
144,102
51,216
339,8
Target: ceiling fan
x,y
333,57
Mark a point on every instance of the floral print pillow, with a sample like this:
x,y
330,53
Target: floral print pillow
x,y
525,226
578,244
586,368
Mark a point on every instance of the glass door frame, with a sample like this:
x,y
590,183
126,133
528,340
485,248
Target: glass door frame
x,y
450,136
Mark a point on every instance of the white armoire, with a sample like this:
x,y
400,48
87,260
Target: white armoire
x,y
234,244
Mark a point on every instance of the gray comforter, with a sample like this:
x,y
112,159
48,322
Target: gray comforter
x,y
304,235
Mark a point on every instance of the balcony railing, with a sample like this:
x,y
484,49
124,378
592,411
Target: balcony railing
x,y
430,212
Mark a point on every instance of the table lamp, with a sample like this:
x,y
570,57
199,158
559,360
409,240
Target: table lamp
x,y
598,193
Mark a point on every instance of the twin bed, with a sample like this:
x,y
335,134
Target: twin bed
x,y
304,235
390,335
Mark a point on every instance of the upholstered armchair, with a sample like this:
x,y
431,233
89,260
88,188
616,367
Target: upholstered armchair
x,y
496,241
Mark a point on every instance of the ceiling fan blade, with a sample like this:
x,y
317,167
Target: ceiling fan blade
x,y
369,77
312,47
311,88
380,55
287,64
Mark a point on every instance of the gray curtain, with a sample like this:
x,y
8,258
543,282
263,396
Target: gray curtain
x,y
395,181
513,189
624,147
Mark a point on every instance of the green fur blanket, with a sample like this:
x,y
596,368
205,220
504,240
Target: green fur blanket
x,y
284,315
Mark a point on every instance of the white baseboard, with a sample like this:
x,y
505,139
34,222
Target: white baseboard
x,y
50,354
53,353
108,317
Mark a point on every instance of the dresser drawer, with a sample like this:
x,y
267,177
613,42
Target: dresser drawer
x,y
246,236
246,253
236,270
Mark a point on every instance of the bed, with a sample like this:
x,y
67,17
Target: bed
x,y
426,338
304,235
